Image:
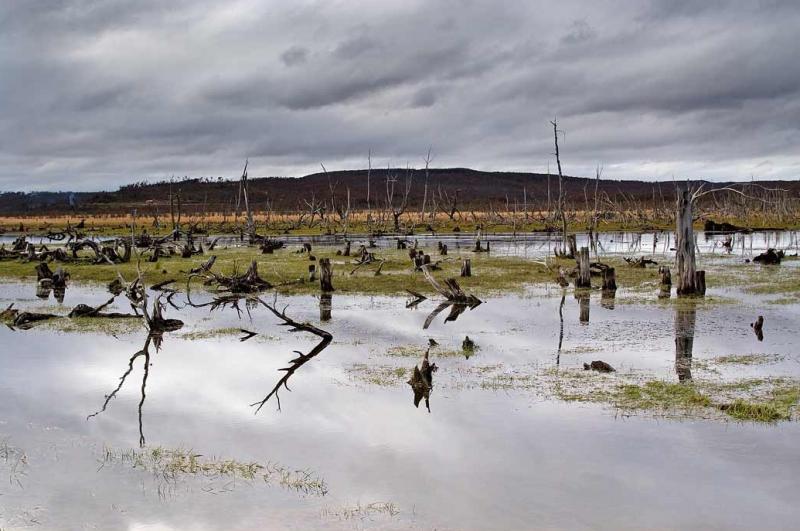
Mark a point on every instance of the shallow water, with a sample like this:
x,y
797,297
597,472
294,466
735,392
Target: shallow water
x,y
483,458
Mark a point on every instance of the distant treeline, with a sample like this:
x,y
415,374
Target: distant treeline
x,y
472,189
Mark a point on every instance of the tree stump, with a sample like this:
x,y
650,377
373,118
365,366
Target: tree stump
x,y
466,267
312,272
426,259
325,306
443,250
666,276
346,248
583,304
583,280
325,275
700,282
609,279
572,245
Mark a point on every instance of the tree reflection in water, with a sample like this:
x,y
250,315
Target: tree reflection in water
x,y
685,316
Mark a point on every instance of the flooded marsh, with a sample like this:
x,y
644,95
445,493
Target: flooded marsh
x,y
367,408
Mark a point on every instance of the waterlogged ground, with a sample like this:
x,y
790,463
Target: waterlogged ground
x,y
518,435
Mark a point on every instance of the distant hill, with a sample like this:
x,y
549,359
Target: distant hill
x,y
475,189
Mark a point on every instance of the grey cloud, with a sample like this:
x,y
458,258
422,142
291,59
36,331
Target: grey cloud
x,y
424,97
579,31
296,55
95,94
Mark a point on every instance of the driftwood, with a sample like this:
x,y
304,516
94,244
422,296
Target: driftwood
x,y
248,282
769,257
300,360
640,262
451,290
599,366
84,310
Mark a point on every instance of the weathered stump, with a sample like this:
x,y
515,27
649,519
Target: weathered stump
x,y
346,248
466,267
312,272
583,280
443,250
700,282
572,246
666,276
609,279
326,274
325,306
583,304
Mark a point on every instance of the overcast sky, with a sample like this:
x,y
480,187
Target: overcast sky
x,y
97,93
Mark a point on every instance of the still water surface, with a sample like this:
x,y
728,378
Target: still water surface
x,y
481,459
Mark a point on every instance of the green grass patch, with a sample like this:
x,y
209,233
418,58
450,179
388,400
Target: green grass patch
x,y
173,464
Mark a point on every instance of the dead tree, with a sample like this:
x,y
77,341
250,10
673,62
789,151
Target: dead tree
x,y
300,360
397,210
561,195
425,189
685,256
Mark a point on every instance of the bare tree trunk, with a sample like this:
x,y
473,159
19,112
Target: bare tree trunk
x,y
584,275
466,267
685,257
325,275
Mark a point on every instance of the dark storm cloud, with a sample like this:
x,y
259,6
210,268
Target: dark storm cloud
x,y
94,94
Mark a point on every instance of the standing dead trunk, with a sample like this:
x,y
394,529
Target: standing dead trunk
x,y
325,275
685,257
609,279
466,267
583,279
666,282
572,246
